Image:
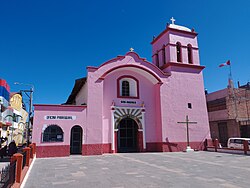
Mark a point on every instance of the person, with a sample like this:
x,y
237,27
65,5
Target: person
x,y
12,148
3,151
2,140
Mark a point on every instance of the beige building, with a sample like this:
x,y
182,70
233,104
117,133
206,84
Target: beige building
x,y
229,112
17,130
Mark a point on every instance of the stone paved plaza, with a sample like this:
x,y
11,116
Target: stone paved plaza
x,y
180,169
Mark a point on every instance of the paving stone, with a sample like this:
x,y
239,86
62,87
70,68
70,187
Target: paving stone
x,y
143,170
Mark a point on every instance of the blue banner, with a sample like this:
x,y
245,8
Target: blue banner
x,y
4,93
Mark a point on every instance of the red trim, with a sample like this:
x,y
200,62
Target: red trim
x,y
172,29
52,151
91,67
58,105
92,149
130,65
199,67
118,87
140,141
114,59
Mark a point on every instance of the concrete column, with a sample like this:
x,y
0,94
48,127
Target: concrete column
x,y
31,150
246,147
112,130
27,150
216,144
19,163
143,128
34,148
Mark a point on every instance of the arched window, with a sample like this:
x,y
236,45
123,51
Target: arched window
x,y
125,88
53,133
178,52
157,59
163,55
190,54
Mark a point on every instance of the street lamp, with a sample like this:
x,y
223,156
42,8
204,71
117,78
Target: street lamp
x,y
30,96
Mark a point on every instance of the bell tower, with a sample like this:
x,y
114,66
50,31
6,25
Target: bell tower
x,y
176,45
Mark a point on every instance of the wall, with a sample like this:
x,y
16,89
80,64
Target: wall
x,y
180,89
50,149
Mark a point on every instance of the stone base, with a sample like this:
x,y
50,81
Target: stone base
x,y
189,149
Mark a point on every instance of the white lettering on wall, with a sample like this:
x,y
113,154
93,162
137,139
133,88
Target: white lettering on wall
x,y
58,117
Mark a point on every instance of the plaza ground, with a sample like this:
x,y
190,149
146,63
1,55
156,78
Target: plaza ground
x,y
177,169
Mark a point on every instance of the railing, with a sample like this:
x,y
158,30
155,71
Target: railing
x,y
12,173
31,152
8,174
24,158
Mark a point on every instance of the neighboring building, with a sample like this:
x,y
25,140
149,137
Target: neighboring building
x,y
229,112
5,121
128,104
17,131
12,115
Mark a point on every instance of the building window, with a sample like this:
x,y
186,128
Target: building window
x,y
53,133
178,52
190,54
127,87
163,55
157,59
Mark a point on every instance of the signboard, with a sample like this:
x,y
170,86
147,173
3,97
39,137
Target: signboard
x,y
128,102
59,117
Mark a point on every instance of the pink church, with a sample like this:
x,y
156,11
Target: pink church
x,y
128,104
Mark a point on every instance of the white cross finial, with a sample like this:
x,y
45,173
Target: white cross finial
x,y
131,49
173,20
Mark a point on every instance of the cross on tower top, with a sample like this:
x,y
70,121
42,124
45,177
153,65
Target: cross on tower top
x,y
173,20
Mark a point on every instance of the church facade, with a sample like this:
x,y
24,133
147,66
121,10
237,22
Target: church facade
x,y
128,104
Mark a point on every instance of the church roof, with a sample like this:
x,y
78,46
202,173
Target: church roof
x,y
179,27
77,87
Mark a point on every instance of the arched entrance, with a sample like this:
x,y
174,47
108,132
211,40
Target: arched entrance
x,y
127,136
76,140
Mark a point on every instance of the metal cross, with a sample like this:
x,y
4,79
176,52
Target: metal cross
x,y
187,122
173,20
131,49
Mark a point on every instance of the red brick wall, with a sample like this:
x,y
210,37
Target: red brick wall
x,y
181,146
140,141
106,148
52,151
154,146
93,149
99,149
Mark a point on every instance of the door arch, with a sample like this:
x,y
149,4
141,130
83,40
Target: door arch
x,y
127,136
76,140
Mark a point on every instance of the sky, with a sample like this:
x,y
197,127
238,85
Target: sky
x,y
49,43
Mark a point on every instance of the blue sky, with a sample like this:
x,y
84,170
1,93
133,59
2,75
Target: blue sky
x,y
50,43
